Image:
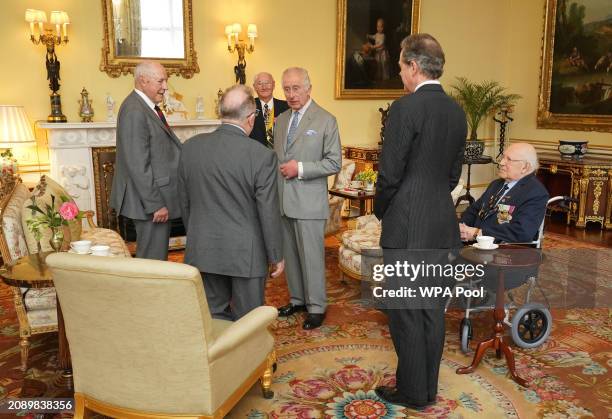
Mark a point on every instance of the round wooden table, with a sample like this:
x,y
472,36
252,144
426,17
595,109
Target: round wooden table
x,y
506,257
32,272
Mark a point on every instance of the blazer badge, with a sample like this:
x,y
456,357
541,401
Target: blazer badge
x,y
504,213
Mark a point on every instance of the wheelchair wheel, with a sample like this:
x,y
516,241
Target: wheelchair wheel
x,y
465,335
531,325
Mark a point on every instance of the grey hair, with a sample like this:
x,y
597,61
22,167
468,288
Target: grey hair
x,y
236,103
302,71
145,68
260,74
531,157
425,50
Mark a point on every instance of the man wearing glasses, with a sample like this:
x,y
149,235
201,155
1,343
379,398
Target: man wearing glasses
x,y
513,206
269,108
229,198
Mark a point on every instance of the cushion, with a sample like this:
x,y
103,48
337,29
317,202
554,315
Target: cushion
x,y
356,240
344,176
42,196
11,222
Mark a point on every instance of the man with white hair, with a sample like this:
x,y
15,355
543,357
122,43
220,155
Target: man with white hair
x,y
513,206
145,185
269,109
229,199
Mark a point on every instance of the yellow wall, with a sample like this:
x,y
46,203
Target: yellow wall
x,y
482,39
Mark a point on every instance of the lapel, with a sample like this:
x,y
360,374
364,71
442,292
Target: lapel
x,y
304,123
151,114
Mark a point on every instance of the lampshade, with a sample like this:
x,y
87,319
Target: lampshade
x,y
237,28
252,30
56,17
15,127
41,16
30,15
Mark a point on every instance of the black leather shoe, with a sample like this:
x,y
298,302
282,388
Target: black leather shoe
x,y
290,309
313,320
390,394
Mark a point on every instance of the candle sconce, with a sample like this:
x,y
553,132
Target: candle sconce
x,y
234,43
47,37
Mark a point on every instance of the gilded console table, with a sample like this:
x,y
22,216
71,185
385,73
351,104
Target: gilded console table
x,y
365,157
588,180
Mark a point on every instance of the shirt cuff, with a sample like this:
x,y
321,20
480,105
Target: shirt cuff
x,y
300,170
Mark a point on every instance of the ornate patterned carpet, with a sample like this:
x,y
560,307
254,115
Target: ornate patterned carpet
x,y
331,371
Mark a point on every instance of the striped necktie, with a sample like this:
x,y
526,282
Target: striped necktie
x,y
293,128
161,116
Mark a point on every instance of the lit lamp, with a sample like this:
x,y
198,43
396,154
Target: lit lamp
x,y
57,34
234,43
15,129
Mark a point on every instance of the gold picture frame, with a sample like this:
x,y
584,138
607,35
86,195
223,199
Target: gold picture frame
x,y
364,71
569,79
115,64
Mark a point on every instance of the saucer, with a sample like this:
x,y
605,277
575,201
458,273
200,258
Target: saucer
x,y
79,253
477,246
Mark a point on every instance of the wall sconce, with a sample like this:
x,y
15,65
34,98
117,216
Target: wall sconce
x,y
234,43
47,37
15,129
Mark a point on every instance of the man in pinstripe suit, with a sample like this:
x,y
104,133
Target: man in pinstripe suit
x,y
420,164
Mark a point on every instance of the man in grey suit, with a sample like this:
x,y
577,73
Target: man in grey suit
x,y
145,185
308,146
229,197
419,165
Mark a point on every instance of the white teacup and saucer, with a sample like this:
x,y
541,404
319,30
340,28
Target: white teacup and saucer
x,y
81,247
485,243
101,250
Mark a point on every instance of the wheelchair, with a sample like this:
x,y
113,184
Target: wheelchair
x,y
531,323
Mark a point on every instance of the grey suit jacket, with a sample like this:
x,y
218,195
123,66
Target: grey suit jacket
x,y
229,196
148,153
317,146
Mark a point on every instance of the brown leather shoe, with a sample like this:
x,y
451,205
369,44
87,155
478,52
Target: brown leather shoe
x,y
313,320
289,309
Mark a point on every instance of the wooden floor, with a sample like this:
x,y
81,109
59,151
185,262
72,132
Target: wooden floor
x,y
593,233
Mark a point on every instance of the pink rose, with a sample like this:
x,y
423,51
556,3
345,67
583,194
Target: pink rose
x,y
69,211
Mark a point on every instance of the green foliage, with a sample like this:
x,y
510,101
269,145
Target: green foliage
x,y
479,100
367,175
49,217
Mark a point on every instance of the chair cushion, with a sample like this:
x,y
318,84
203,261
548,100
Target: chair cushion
x,y
356,240
334,221
344,176
349,259
40,299
11,222
42,318
42,196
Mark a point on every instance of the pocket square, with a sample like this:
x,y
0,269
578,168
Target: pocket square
x,y
311,132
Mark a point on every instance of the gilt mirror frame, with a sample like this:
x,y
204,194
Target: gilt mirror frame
x,y
116,66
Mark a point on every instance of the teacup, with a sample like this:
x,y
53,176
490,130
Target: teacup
x,y
356,184
100,250
485,242
81,246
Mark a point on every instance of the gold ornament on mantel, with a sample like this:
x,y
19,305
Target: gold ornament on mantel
x,y
86,112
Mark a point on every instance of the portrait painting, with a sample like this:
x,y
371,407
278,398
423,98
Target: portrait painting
x,y
576,79
369,33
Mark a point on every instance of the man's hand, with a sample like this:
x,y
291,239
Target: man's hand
x,y
467,233
277,268
161,215
290,169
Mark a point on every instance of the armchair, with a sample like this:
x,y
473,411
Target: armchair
x,y
143,342
36,308
341,180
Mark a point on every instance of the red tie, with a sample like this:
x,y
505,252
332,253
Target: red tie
x,y
161,116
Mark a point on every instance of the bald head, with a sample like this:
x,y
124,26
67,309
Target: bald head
x,y
237,106
518,161
151,79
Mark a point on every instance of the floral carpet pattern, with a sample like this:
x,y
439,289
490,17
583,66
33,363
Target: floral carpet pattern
x,y
331,372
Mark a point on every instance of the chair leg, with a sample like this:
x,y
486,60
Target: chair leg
x,y
266,378
24,345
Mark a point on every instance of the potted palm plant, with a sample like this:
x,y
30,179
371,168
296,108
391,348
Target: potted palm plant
x,y
478,101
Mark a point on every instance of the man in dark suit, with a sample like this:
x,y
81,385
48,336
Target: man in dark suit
x,y
229,198
419,165
513,206
269,108
145,185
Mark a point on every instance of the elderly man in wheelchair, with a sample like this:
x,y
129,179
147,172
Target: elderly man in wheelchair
x,y
511,210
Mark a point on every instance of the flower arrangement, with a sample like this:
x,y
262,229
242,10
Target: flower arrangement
x,y
52,217
368,176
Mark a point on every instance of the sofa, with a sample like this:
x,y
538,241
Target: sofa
x,y
36,307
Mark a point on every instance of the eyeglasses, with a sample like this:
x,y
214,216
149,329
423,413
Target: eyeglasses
x,y
263,84
508,159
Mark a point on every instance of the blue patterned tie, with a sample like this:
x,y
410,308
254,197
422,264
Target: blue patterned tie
x,y
292,128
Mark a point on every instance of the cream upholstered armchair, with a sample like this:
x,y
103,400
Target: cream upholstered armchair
x,y
359,250
36,308
143,343
341,180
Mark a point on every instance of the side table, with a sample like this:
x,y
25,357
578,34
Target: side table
x,y
506,257
467,196
365,198
32,272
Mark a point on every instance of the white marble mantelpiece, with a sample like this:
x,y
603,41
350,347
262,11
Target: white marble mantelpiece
x,y
70,151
